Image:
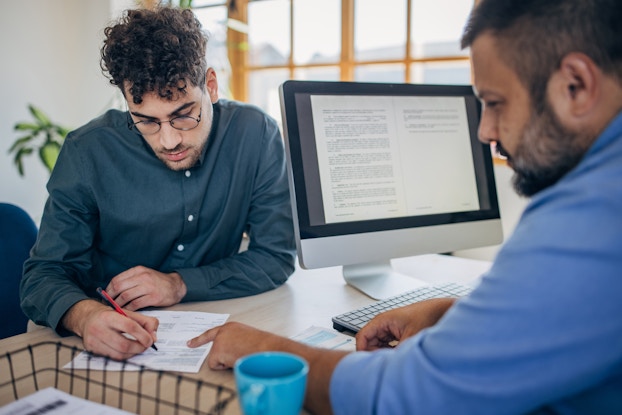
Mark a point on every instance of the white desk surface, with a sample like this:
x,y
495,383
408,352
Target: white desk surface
x,y
309,298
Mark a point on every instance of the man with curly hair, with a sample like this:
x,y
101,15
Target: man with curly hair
x,y
151,203
542,332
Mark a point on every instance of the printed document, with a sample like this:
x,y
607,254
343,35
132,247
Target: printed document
x,y
52,401
328,339
175,329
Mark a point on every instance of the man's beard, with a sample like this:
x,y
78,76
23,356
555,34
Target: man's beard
x,y
545,153
195,150
190,161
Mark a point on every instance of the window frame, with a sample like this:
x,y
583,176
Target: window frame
x,y
238,47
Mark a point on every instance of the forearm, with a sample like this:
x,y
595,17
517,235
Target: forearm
x,y
227,349
47,293
57,274
74,318
247,273
322,363
434,310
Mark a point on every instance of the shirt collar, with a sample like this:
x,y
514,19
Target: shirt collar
x,y
212,133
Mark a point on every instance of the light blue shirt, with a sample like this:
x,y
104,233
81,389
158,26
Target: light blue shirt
x,y
543,330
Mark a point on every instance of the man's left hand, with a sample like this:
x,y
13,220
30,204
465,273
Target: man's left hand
x,y
141,287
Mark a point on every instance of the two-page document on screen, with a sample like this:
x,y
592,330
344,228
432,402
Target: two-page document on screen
x,y
374,152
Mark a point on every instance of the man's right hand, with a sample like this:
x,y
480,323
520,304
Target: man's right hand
x,y
391,327
108,333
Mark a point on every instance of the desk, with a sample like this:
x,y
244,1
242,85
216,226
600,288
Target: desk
x,y
310,297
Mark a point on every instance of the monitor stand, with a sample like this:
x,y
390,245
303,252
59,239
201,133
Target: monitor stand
x,y
378,280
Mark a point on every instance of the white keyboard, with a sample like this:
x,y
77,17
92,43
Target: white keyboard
x,y
355,320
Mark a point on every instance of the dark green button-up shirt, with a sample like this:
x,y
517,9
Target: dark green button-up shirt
x,y
114,205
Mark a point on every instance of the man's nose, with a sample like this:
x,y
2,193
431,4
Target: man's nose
x,y
488,130
169,137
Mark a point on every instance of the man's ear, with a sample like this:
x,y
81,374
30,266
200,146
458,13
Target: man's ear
x,y
211,83
574,89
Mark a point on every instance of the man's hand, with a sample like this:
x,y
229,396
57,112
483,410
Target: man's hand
x,y
234,340
391,327
108,333
141,287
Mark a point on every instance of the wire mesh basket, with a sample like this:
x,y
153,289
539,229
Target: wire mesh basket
x,y
134,389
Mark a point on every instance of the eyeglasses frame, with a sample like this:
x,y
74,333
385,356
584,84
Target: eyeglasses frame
x,y
131,125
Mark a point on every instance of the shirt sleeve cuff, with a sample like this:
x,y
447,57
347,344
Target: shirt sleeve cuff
x,y
196,284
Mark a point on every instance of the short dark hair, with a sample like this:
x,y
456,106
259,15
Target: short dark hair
x,y
155,51
534,35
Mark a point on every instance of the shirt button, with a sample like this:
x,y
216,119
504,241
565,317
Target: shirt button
x,y
188,173
180,247
190,218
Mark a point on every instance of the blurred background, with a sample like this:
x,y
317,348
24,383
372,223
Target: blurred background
x,y
50,55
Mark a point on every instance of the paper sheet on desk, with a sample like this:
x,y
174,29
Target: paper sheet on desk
x,y
175,329
53,401
326,338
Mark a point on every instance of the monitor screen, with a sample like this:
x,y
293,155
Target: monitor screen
x,y
380,171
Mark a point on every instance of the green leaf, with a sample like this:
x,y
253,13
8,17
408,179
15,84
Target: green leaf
x,y
44,136
20,142
24,151
39,115
20,167
49,154
23,126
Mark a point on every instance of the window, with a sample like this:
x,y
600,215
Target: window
x,y
213,17
270,41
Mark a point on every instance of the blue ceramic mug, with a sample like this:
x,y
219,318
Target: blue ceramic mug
x,y
271,383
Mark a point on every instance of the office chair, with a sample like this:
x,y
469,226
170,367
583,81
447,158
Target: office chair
x,y
18,233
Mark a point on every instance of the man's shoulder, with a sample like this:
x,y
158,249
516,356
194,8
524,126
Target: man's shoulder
x,y
112,119
232,105
230,109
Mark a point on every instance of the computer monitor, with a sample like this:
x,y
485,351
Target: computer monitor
x,y
380,171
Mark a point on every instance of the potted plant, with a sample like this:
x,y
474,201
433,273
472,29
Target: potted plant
x,y
42,136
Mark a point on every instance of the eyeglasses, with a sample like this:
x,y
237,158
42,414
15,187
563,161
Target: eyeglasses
x,y
182,123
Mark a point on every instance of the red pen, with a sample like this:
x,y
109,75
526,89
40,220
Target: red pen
x,y
107,298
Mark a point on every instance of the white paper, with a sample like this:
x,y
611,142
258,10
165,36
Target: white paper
x,y
175,329
325,338
52,401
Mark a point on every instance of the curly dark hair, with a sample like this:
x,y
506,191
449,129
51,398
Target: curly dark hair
x,y
155,51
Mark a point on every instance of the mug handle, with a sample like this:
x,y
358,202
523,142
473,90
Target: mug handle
x,y
252,399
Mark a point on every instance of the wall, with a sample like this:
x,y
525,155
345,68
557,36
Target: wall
x,y
511,206
50,58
